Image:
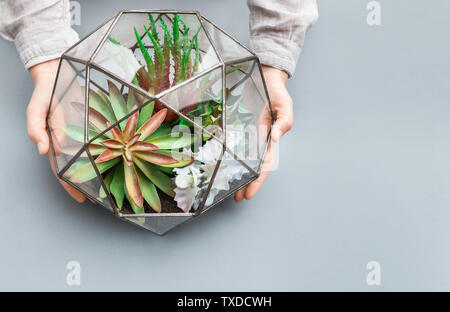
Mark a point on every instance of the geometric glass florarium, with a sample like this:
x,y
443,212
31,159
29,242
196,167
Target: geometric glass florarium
x,y
158,115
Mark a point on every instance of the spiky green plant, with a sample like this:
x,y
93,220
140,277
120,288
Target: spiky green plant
x,y
181,53
175,51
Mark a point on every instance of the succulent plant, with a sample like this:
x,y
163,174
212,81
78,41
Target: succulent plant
x,y
135,156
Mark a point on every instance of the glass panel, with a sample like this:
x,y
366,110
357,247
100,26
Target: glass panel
x,y
67,113
230,176
81,174
86,47
227,48
156,61
201,101
248,114
159,224
116,53
110,102
207,57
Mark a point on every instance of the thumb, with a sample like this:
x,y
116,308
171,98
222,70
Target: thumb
x,y
36,116
282,125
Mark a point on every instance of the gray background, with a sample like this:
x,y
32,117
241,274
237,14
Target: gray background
x,y
364,175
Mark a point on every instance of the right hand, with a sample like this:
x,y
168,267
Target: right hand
x,y
282,108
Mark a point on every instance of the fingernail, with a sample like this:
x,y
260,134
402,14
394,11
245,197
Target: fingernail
x,y
40,147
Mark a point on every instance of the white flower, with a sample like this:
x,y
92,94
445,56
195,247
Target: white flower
x,y
229,171
209,152
195,177
187,181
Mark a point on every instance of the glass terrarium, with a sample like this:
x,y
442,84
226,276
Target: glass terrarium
x,y
159,115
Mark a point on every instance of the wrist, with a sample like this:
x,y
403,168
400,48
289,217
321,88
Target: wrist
x,y
274,73
45,72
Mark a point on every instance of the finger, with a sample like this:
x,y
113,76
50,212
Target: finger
x,y
283,124
36,114
264,122
254,187
266,168
56,123
239,195
77,195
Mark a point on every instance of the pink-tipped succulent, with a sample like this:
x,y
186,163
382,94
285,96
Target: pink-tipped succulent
x,y
136,155
129,145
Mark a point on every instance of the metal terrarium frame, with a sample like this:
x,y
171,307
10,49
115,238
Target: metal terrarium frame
x,y
161,222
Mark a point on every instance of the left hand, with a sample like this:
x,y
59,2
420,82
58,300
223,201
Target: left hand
x,y
283,112
43,76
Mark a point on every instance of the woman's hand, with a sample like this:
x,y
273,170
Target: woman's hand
x,y
43,76
283,112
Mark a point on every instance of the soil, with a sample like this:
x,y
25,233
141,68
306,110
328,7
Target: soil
x,y
167,203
